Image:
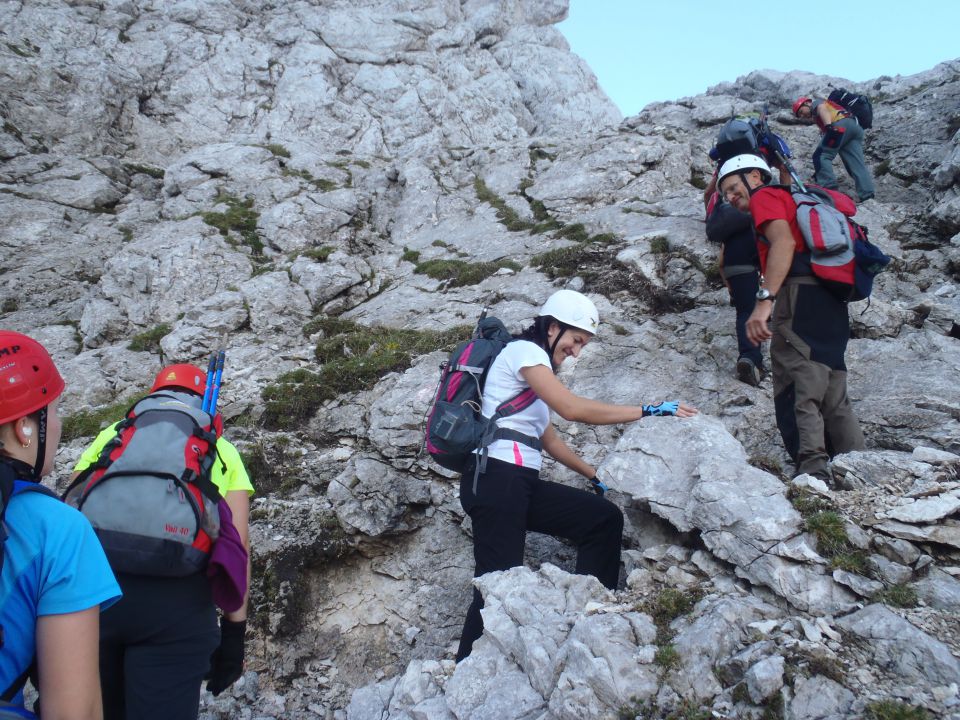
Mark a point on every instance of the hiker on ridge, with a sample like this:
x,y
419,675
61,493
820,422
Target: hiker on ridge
x,y
508,498
162,639
841,134
810,326
55,578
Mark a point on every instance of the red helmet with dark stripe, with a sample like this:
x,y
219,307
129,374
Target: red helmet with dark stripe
x,y
183,375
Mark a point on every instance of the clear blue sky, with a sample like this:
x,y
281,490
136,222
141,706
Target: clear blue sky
x,y
644,51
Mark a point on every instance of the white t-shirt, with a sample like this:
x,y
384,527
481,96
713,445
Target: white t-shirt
x,y
504,382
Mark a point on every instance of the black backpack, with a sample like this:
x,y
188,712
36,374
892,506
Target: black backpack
x,y
857,105
456,427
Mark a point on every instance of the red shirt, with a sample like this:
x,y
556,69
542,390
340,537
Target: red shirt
x,y
775,203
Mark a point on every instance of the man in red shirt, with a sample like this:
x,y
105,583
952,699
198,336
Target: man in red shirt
x,y
810,326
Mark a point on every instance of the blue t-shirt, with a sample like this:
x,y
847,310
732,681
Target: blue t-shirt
x,y
53,564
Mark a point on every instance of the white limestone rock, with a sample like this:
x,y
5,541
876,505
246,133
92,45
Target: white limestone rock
x,y
897,644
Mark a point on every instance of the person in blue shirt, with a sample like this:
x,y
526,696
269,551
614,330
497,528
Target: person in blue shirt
x,y
55,577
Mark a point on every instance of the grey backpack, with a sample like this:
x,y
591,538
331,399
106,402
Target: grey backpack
x,y
149,496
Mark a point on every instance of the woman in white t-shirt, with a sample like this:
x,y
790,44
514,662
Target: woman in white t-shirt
x,y
508,498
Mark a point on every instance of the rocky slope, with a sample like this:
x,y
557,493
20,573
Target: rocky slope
x,y
332,191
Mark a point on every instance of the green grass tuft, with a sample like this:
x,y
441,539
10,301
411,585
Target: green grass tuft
x,y
696,179
505,214
240,217
154,172
854,561
807,503
321,184
670,603
894,710
460,272
901,596
667,657
277,150
88,423
659,246
149,340
320,254
352,358
828,528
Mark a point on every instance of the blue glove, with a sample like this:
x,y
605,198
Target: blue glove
x,y
667,407
598,486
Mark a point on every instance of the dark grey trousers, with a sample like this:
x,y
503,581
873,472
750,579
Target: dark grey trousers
x,y
814,414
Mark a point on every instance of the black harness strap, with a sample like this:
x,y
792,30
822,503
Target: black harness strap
x,y
17,686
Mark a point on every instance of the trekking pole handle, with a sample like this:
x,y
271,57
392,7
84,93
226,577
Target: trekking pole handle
x,y
211,368
215,391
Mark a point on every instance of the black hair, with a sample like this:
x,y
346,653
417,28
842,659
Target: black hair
x,y
537,334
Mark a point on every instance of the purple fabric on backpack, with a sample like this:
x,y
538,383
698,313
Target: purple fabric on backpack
x,y
227,568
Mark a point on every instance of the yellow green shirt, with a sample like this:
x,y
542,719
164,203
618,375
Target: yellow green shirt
x,y
233,478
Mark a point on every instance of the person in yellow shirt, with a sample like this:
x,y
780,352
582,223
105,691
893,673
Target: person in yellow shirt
x,y
161,640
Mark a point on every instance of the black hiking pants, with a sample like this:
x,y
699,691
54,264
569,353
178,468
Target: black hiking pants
x,y
155,648
743,293
511,500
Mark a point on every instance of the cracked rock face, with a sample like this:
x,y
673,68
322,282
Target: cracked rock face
x,y
327,189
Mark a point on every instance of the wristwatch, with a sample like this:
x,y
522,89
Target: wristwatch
x,y
764,294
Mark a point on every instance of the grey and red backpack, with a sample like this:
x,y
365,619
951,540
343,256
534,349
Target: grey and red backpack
x,y
149,495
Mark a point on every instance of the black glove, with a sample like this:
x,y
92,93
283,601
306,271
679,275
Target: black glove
x,y
833,136
226,663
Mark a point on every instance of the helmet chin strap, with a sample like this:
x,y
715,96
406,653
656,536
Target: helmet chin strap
x,y
553,346
41,445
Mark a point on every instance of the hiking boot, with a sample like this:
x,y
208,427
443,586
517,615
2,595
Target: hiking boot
x,y
747,372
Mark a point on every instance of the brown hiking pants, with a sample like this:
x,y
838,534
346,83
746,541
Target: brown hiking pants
x,y
814,414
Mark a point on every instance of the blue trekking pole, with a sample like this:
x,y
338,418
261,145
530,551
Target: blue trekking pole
x,y
215,391
211,368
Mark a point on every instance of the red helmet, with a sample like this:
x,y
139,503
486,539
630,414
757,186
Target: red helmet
x,y
801,101
29,380
184,375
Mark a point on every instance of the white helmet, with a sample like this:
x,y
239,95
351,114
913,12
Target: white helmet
x,y
743,163
573,309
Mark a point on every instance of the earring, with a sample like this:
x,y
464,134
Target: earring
x,y
26,444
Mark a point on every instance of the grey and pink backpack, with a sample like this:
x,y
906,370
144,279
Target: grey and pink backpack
x,y
456,428
840,255
149,495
